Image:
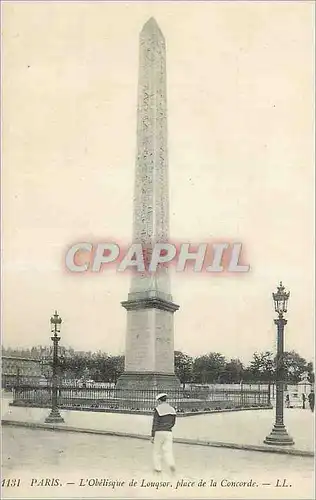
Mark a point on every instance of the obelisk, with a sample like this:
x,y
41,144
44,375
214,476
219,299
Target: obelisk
x,y
149,353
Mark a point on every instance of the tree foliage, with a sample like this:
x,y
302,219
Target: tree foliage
x,y
206,369
233,373
209,368
294,366
262,366
183,364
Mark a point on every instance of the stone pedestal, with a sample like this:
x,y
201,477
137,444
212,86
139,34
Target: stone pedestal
x,y
54,417
149,355
279,436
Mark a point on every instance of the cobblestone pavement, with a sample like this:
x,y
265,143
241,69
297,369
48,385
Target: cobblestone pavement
x,y
39,455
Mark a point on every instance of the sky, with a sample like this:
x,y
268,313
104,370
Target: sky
x,y
240,85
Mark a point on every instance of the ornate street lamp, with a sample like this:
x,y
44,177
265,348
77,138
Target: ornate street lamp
x,y
279,435
54,416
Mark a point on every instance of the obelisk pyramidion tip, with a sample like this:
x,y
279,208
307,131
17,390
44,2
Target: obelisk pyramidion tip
x,y
151,27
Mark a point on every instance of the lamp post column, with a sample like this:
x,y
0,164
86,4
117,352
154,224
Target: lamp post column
x,y
279,407
279,435
54,416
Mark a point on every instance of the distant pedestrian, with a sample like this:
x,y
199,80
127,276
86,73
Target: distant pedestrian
x,y
287,400
163,421
311,400
304,400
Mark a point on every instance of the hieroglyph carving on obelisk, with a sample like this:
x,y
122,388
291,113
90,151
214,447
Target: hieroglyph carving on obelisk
x,y
149,356
151,200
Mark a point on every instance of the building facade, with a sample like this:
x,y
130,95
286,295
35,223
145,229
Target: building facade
x,y
20,370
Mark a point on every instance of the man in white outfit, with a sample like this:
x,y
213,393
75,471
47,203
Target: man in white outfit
x,y
163,422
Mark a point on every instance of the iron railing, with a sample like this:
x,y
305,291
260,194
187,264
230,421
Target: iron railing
x,y
112,399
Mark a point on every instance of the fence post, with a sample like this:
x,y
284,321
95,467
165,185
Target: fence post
x,y
242,399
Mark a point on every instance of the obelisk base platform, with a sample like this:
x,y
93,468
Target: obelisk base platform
x,y
148,381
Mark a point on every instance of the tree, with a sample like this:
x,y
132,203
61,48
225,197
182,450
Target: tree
x,y
103,367
262,366
113,368
208,368
233,373
98,364
183,367
73,366
294,366
310,371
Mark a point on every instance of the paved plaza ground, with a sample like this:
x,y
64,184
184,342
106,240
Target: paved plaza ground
x,y
240,427
74,457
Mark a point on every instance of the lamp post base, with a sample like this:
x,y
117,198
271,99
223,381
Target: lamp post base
x,y
279,436
54,417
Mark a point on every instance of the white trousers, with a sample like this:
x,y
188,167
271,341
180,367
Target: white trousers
x,y
163,449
